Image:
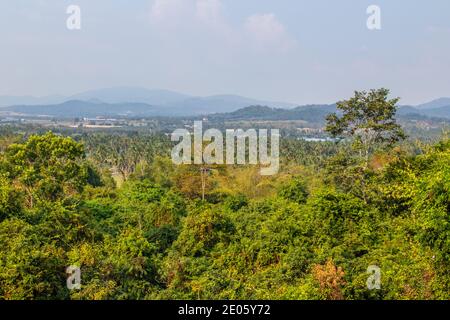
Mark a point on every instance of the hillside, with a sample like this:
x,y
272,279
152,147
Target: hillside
x,y
317,113
312,113
437,103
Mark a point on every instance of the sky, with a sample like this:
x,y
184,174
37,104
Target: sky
x,y
283,50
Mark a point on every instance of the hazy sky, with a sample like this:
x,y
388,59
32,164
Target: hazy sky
x,y
288,50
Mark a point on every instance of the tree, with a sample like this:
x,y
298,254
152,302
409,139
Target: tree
x,y
47,167
294,191
369,118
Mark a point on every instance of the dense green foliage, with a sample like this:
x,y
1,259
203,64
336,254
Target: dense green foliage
x,y
311,236
136,225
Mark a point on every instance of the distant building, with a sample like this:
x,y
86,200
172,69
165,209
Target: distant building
x,y
9,120
310,130
100,122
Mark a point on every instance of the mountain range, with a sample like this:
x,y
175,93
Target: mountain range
x,y
132,99
435,104
141,102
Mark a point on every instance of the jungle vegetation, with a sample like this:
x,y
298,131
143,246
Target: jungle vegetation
x,y
114,204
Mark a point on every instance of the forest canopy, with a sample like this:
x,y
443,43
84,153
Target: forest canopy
x,y
140,227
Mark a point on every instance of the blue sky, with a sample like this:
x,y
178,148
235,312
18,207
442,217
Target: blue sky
x,y
287,50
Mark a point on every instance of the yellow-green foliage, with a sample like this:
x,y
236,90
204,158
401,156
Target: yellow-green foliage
x,y
308,233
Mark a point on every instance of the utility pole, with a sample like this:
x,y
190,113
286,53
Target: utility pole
x,y
203,173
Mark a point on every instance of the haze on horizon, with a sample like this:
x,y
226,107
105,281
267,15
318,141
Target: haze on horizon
x,y
294,51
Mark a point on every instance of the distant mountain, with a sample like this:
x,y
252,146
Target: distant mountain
x,y
134,101
30,100
172,103
311,113
438,103
253,112
219,104
168,103
406,110
175,103
439,112
97,108
78,108
317,113
132,94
